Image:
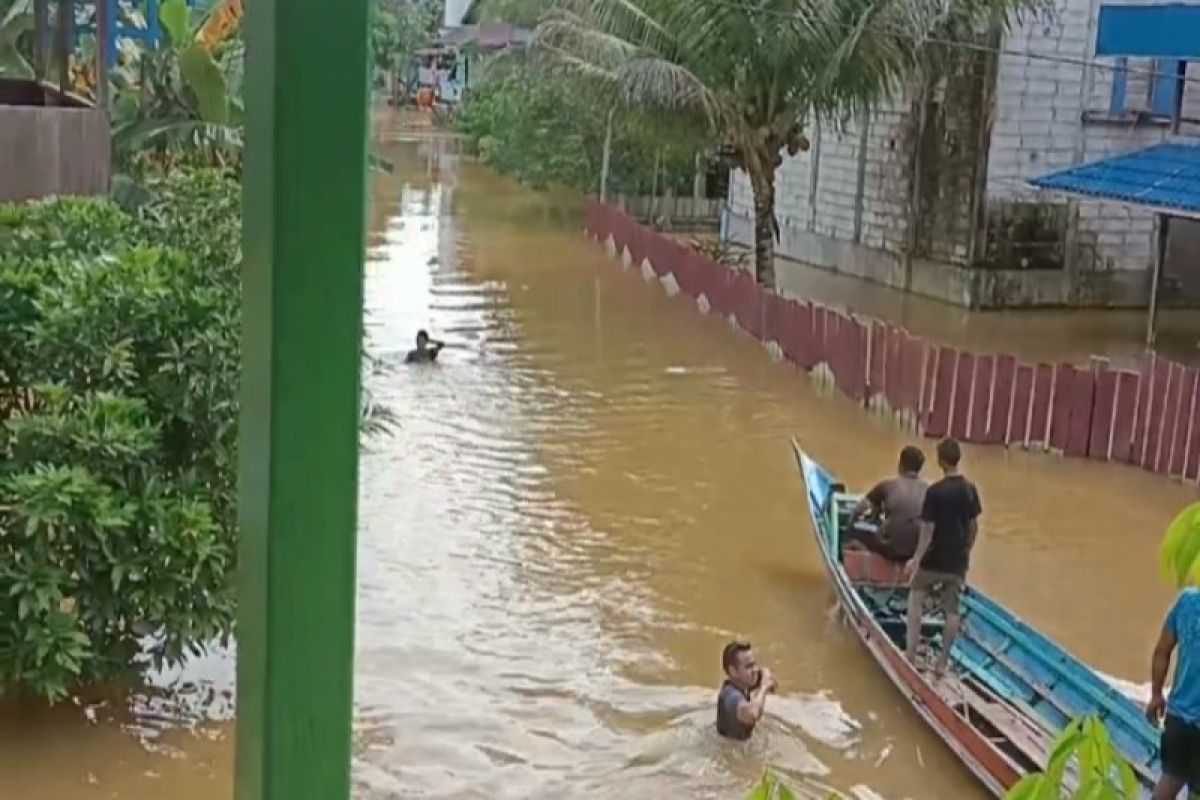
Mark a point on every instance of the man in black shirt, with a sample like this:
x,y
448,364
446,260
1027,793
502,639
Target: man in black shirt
x,y
743,695
949,523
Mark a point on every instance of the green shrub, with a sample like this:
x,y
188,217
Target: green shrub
x,y
119,337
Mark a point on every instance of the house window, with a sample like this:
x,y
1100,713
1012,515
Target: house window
x,y
1147,88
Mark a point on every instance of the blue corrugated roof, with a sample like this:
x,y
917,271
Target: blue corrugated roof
x,y
1166,176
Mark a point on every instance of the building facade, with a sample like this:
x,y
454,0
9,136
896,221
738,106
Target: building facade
x,y
929,192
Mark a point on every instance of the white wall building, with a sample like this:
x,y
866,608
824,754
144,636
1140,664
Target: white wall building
x,y
937,203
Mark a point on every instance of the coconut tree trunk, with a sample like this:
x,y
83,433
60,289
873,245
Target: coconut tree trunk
x,y
762,184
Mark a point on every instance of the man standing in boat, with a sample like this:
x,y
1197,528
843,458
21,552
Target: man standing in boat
x,y
949,523
1179,714
899,500
743,695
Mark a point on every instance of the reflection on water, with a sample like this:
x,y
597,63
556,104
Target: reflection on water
x,y
586,497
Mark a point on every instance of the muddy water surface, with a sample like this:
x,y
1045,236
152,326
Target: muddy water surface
x,y
589,494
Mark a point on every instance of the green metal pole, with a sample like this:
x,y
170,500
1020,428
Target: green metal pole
x,y
304,197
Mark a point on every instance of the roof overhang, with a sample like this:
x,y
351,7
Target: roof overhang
x,y
1164,179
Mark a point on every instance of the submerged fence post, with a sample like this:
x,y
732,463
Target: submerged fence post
x,y
305,189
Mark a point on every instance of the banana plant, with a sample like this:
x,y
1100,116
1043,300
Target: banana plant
x,y
180,104
16,20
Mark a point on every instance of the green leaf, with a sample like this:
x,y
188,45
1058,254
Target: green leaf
x,y
763,790
1181,545
204,78
174,17
1028,788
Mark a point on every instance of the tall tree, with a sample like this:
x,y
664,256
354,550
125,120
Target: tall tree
x,y
759,71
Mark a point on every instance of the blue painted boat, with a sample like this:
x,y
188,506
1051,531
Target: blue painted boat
x,y
1009,691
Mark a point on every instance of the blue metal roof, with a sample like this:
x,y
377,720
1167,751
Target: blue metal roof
x,y
1165,177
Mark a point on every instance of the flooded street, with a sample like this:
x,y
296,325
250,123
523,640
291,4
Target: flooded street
x,y
589,494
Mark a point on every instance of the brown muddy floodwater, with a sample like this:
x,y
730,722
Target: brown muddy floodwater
x,y
588,495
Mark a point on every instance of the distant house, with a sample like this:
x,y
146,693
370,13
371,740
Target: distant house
x,y
448,64
930,192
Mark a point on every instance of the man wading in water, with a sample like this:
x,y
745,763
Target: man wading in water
x,y
743,695
949,522
427,350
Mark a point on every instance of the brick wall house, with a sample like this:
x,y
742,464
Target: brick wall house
x,y
928,193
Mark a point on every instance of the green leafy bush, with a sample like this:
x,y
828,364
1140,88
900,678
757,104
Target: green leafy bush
x,y
118,383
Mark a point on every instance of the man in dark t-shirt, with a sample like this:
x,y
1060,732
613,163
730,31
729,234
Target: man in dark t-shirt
x,y
949,523
743,695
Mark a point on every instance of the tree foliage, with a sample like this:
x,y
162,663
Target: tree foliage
x,y
118,383
759,72
1101,773
399,28
544,127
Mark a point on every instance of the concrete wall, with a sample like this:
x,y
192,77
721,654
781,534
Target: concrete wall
x,y
53,151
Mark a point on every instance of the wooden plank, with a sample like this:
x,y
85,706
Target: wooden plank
x,y
918,360
1103,409
942,392
1003,382
1183,422
1124,412
1079,425
1191,466
1155,412
1022,406
895,369
1162,456
981,398
963,386
1060,406
877,358
1142,411
1043,393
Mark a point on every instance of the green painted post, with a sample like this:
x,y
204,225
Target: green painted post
x,y
304,196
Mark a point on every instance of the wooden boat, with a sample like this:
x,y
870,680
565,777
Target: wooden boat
x,y
1009,691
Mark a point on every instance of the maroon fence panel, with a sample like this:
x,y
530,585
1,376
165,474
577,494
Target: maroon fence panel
x,y
711,279
685,272
816,349
1191,463
773,317
1142,412
1124,416
942,392
1104,405
1004,376
963,377
805,354
791,332
1079,424
893,367
719,290
1183,422
1043,392
1162,456
1159,387
1060,405
1022,405
877,358
749,304
981,397
856,333
914,354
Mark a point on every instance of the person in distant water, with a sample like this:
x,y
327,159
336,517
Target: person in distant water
x,y
1179,715
949,524
743,695
899,500
427,350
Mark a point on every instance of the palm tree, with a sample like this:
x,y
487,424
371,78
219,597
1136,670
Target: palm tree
x,y
758,71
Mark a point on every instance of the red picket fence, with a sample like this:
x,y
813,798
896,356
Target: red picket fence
x,y
1150,417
